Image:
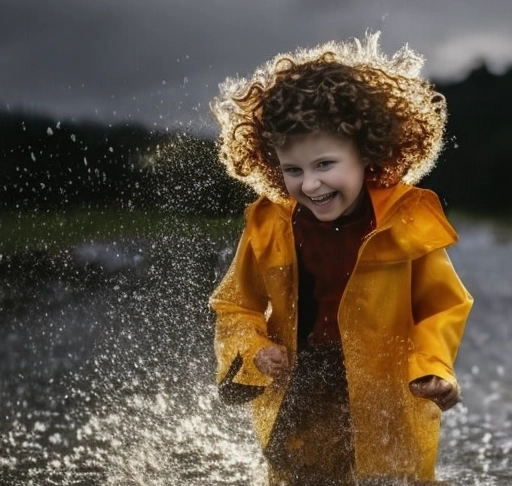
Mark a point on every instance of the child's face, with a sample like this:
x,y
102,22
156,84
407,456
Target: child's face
x,y
323,172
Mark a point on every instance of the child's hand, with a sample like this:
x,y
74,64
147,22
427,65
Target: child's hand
x,y
441,392
273,361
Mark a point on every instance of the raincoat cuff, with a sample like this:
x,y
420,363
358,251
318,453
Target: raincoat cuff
x,y
246,372
420,366
249,374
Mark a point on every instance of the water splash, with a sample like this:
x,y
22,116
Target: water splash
x,y
110,371
160,440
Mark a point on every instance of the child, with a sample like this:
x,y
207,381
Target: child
x,y
341,315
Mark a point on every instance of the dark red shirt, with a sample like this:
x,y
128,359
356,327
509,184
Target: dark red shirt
x,y
327,253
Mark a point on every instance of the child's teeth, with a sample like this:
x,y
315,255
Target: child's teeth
x,y
322,198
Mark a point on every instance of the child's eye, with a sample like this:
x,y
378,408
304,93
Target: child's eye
x,y
325,163
292,170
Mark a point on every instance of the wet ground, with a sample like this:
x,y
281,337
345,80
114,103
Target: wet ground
x,y
106,368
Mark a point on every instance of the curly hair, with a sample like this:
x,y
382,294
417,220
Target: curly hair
x,y
395,118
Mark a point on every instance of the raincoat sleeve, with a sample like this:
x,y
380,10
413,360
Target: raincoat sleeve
x,y
240,302
441,305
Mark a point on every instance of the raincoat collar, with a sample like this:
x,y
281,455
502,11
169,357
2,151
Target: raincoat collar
x,y
410,222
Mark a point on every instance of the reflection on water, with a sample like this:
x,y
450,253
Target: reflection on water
x,y
107,369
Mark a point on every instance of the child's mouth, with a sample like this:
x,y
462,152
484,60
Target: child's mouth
x,y
321,200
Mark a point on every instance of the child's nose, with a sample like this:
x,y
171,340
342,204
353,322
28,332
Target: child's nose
x,y
310,184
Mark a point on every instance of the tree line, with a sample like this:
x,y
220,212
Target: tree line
x,y
46,164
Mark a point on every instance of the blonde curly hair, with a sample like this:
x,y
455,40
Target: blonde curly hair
x,y
395,118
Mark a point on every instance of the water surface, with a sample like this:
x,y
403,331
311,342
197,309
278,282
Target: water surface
x,y
106,367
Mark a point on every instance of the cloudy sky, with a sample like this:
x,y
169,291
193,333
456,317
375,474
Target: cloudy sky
x,y
160,61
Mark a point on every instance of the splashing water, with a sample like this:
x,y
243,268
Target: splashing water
x,y
108,377
107,368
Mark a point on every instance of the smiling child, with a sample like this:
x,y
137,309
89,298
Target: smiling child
x,y
341,315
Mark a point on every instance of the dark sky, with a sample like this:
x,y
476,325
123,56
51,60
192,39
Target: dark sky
x,y
160,61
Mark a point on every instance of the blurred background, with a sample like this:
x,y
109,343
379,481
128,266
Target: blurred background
x,y
116,221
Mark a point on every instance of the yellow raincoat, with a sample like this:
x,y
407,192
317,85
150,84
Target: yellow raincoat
x,y
401,317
